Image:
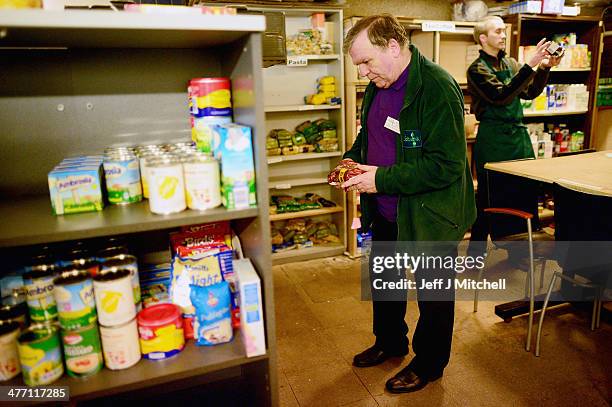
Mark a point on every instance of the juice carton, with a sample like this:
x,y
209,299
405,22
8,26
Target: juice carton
x,y
235,154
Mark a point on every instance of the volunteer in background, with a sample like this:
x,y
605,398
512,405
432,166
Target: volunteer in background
x,y
416,188
496,83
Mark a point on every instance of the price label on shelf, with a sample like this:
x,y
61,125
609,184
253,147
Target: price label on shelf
x,y
297,60
446,26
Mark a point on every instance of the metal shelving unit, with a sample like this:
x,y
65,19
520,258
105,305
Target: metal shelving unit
x,y
560,112
75,82
299,108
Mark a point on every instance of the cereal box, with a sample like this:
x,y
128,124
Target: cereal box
x,y
251,309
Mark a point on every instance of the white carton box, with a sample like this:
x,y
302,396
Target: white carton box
x,y
251,308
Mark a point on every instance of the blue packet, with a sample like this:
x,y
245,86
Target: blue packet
x,y
212,324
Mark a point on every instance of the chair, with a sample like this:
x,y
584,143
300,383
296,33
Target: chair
x,y
583,223
530,278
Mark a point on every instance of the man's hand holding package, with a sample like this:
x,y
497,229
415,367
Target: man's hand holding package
x,y
364,183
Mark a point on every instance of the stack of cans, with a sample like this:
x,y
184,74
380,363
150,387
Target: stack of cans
x,y
117,315
176,176
74,296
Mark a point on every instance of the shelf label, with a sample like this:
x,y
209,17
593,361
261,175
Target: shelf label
x,y
446,26
282,186
297,60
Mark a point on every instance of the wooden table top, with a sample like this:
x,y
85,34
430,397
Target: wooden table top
x,y
590,173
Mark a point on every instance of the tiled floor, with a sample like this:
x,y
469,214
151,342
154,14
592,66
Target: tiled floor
x,y
321,323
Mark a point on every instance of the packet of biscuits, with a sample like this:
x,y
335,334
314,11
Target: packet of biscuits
x,y
344,171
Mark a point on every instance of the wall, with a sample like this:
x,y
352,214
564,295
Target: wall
x,y
425,9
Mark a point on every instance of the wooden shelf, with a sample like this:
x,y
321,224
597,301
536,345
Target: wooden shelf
x,y
330,57
305,214
553,113
358,82
553,18
30,221
571,69
110,29
307,254
300,108
306,156
193,360
290,181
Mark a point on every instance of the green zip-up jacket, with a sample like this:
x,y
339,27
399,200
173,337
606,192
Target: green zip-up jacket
x,y
433,180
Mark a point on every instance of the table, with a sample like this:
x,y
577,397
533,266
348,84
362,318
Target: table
x,y
590,173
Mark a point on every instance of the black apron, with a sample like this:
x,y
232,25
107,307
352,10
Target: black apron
x,y
501,134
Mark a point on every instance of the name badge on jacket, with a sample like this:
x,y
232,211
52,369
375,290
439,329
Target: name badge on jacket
x,y
412,139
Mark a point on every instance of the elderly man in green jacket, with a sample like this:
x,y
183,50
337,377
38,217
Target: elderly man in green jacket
x,y
416,188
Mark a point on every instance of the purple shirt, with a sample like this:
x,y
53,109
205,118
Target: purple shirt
x,y
382,141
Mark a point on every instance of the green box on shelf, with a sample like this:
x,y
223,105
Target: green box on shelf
x,y
76,189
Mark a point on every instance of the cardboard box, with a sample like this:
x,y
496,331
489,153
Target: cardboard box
x,y
251,308
533,7
75,189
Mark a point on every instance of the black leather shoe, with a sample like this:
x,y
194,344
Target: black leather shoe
x,y
407,381
374,356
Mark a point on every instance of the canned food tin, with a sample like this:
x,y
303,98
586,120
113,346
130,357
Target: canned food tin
x,y
188,320
166,186
122,179
114,297
38,283
111,252
144,175
147,147
83,351
77,254
120,345
14,308
185,144
40,355
161,331
91,265
127,262
9,356
75,299
119,150
202,183
210,97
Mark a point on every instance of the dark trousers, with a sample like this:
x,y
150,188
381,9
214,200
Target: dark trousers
x,y
433,335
